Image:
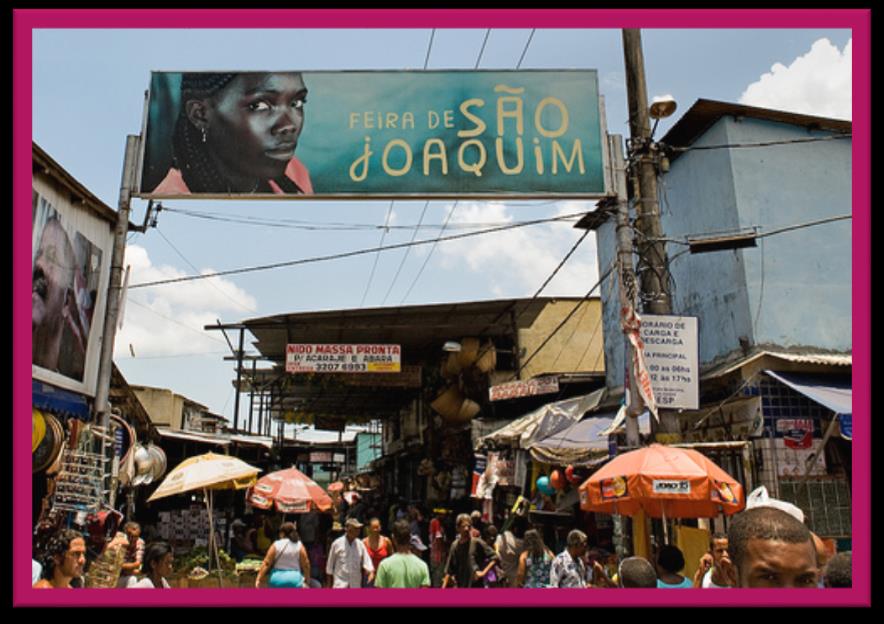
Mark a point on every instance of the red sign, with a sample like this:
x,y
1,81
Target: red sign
x,y
797,432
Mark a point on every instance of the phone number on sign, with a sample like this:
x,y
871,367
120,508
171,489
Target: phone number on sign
x,y
344,368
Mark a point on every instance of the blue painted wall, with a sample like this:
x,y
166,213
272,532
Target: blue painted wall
x,y
794,289
368,448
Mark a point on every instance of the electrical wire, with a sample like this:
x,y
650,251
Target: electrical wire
x,y
525,51
407,251
296,224
482,51
152,311
359,252
430,254
377,257
429,47
692,148
522,365
178,355
191,265
788,228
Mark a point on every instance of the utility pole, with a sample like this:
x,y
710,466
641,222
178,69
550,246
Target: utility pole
x,y
643,155
105,364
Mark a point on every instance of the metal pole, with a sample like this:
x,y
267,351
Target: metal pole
x,y
652,250
238,379
252,394
105,364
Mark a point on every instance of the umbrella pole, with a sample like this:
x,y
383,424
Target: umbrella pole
x,y
665,524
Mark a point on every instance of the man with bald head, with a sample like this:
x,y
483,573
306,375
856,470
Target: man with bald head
x,y
770,548
52,299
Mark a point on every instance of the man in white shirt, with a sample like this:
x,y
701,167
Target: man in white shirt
x,y
348,559
713,570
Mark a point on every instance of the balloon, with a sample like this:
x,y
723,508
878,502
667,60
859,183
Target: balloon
x,y
557,480
570,476
544,487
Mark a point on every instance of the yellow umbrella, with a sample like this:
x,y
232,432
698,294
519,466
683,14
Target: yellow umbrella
x,y
207,472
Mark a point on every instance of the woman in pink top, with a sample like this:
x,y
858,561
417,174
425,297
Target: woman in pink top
x,y
237,133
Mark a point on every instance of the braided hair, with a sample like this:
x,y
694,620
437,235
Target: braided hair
x,y
189,152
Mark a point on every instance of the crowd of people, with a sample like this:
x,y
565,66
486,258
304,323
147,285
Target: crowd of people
x,y
763,547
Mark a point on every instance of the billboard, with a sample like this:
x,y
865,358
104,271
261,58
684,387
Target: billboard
x,y
343,358
67,280
374,134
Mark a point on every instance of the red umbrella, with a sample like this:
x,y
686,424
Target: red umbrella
x,y
290,490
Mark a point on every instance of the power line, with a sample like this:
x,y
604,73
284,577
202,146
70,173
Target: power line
x,y
377,257
407,251
296,224
359,252
563,322
482,51
430,254
189,263
561,264
788,228
692,148
429,48
525,51
171,320
178,355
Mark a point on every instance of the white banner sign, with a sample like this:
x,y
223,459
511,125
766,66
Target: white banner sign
x,y
517,389
343,358
670,486
670,350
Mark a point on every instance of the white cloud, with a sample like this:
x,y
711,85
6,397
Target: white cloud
x,y
516,262
817,83
169,320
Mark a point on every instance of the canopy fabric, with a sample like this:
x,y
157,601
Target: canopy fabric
x,y
208,471
662,481
584,443
544,421
57,401
290,491
832,393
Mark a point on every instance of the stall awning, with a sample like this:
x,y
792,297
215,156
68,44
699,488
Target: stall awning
x,y
51,399
544,421
583,443
832,393
192,437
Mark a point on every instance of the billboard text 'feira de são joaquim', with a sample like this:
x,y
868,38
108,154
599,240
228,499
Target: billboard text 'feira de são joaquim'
x,y
374,134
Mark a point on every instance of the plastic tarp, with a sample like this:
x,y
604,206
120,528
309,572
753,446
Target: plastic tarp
x,y
832,393
585,443
51,399
543,422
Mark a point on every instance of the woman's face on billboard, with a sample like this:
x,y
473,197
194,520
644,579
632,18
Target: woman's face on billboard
x,y
253,124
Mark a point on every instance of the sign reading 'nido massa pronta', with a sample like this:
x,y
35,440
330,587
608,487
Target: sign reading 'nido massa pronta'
x,y
374,134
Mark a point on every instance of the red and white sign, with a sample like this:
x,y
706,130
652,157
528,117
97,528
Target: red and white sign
x,y
797,432
343,358
517,389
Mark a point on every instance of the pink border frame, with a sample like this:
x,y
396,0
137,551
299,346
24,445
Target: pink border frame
x,y
24,21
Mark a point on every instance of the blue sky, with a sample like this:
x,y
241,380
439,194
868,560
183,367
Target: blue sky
x,y
88,90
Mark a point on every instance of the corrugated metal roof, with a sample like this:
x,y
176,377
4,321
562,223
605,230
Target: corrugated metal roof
x,y
704,113
806,357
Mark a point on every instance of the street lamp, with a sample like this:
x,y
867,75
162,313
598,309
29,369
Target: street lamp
x,y
662,106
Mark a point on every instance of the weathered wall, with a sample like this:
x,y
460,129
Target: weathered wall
x,y
576,347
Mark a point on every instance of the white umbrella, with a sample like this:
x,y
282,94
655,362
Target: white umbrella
x,y
207,472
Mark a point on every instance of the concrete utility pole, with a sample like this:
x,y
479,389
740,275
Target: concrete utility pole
x,y
625,276
653,263
105,363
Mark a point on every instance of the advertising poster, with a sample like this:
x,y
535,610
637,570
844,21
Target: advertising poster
x,y
66,270
374,134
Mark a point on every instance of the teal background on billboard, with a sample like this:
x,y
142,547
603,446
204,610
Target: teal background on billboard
x,y
343,108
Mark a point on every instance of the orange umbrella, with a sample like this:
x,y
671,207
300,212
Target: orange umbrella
x,y
665,482
291,491
337,486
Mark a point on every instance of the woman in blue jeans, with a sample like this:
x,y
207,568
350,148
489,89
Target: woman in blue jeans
x,y
286,560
